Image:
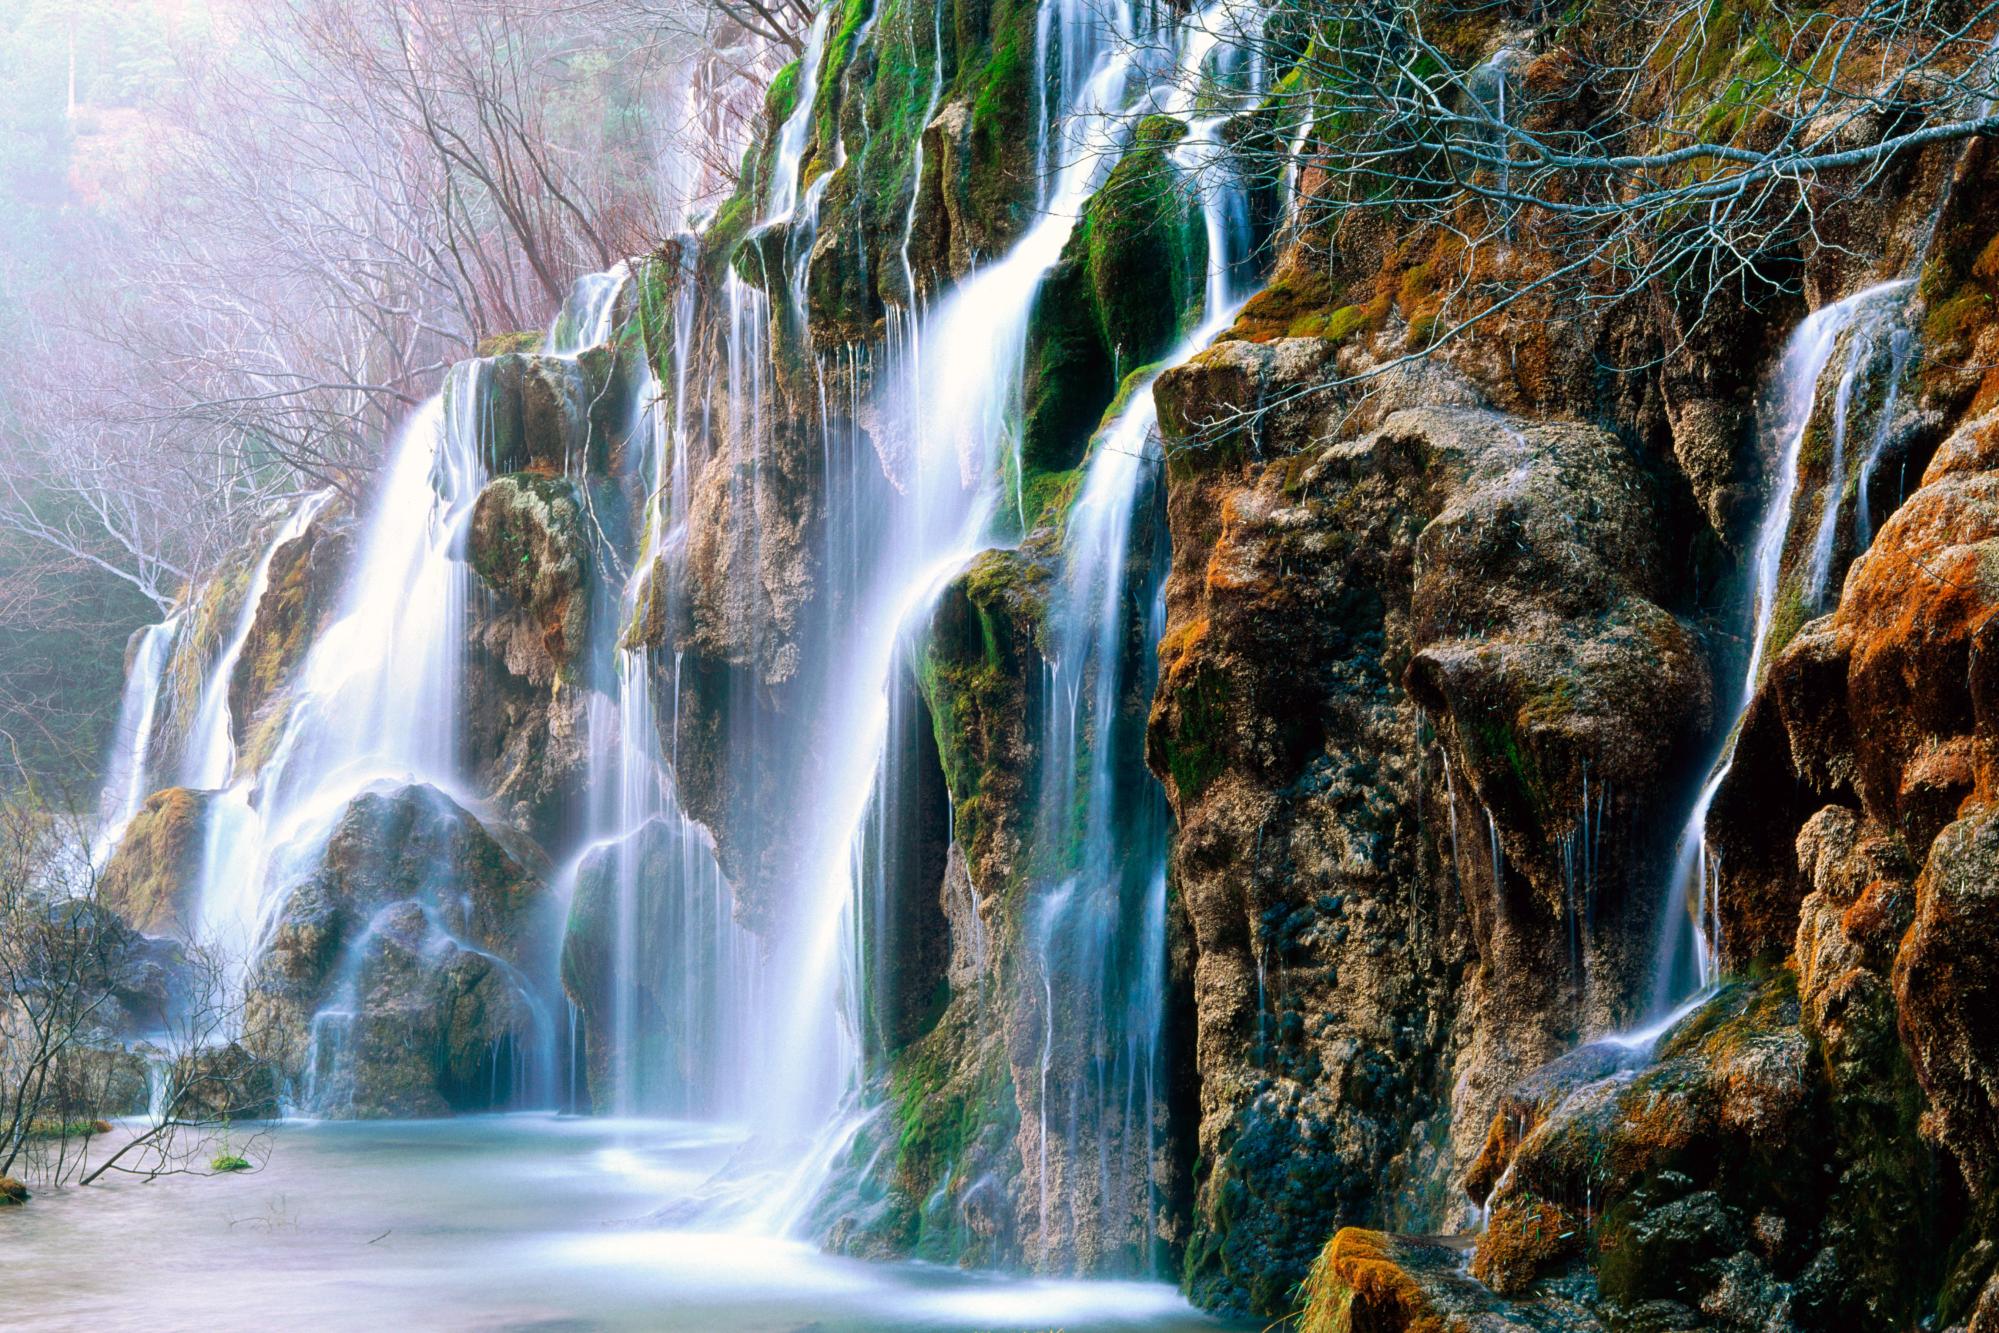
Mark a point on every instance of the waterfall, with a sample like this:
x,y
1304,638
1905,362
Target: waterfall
x,y
1879,321
377,694
210,755
1097,926
125,765
917,442
585,319
791,139
1689,951
684,973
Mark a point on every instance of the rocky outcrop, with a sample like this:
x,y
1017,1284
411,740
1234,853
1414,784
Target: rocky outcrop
x,y
157,864
306,579
528,543
397,979
1403,675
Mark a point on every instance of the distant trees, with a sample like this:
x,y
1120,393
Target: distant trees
x,y
235,284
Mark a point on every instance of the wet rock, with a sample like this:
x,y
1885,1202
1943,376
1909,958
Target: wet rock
x,y
301,596
527,541
553,415
1128,286
1946,978
529,666
1371,1282
157,865
1393,666
223,1083
396,980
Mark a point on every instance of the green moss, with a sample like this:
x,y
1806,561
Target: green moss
x,y
1194,750
1789,617
228,1161
1046,495
499,344
972,672
1498,744
1145,250
840,52
1346,321
945,1098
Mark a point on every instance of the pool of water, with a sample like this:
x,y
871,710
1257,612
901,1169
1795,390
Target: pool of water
x,y
504,1222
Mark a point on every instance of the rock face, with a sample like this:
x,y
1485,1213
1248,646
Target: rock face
x,y
1401,674
158,862
307,576
1811,1146
530,664
398,977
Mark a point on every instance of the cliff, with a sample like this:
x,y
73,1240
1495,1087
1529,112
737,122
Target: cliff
x,y
1222,744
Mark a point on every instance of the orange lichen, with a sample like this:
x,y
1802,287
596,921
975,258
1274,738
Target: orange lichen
x,y
1524,1238
1356,1283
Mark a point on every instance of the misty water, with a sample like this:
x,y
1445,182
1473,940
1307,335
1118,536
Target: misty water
x,y
495,1222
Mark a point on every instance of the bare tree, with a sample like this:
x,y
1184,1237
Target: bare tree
x,y
76,983
337,203
54,965
1690,151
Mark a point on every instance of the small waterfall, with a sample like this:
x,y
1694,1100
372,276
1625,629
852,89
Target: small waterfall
x,y
1880,322
377,694
210,756
682,978
126,780
1689,955
1097,928
585,319
1901,348
782,200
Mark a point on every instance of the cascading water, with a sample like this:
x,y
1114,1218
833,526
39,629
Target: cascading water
x,y
209,758
782,198
1097,928
947,396
682,977
125,766
1690,938
377,695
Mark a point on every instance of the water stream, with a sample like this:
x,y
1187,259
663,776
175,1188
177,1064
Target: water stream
x,y
1690,938
126,771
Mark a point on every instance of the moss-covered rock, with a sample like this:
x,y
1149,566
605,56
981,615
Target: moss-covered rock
x,y
1129,285
158,863
527,541
1370,1282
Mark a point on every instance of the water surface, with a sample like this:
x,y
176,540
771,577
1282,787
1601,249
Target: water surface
x,y
501,1222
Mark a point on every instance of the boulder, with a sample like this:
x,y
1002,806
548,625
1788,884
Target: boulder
x,y
398,979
